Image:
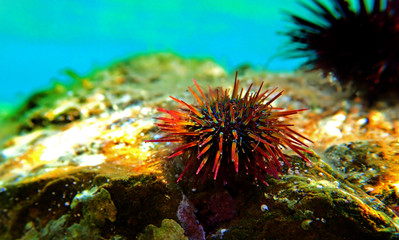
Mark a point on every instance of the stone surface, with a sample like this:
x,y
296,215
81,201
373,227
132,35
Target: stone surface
x,y
74,163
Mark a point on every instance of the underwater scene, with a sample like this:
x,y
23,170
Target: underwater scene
x,y
195,120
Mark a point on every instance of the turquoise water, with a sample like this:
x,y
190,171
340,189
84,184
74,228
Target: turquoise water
x,y
40,39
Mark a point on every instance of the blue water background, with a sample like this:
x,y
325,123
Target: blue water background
x,y
39,39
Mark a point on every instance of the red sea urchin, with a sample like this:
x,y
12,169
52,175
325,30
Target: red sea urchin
x,y
227,135
360,47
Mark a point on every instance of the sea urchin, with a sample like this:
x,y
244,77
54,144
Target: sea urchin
x,y
358,46
227,135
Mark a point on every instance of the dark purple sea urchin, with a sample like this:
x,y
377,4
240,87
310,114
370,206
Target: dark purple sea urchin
x,y
225,135
360,47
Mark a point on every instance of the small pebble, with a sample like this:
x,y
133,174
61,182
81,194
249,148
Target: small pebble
x,y
264,208
305,225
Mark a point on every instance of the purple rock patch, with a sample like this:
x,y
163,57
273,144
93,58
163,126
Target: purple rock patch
x,y
186,215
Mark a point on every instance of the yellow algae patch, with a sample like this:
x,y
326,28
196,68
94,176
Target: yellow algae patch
x,y
21,166
388,163
126,147
328,128
113,139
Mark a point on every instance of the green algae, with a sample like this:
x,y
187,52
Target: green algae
x,y
97,206
169,230
86,206
312,205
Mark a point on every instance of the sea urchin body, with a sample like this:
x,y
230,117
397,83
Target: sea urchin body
x,y
225,135
358,46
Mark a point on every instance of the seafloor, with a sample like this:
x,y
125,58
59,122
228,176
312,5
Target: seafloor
x,y
74,164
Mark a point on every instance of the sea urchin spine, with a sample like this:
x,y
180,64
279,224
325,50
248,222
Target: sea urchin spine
x,y
226,135
358,46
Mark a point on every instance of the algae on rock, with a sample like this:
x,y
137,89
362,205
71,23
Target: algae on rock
x,y
75,162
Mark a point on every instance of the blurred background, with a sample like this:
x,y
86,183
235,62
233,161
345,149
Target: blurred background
x,y
40,39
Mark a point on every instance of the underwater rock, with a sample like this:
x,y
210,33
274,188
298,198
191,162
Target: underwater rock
x,y
75,163
70,136
372,166
103,208
314,200
214,207
221,208
358,162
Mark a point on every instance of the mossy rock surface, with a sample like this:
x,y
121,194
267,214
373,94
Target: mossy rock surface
x,y
73,147
119,206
